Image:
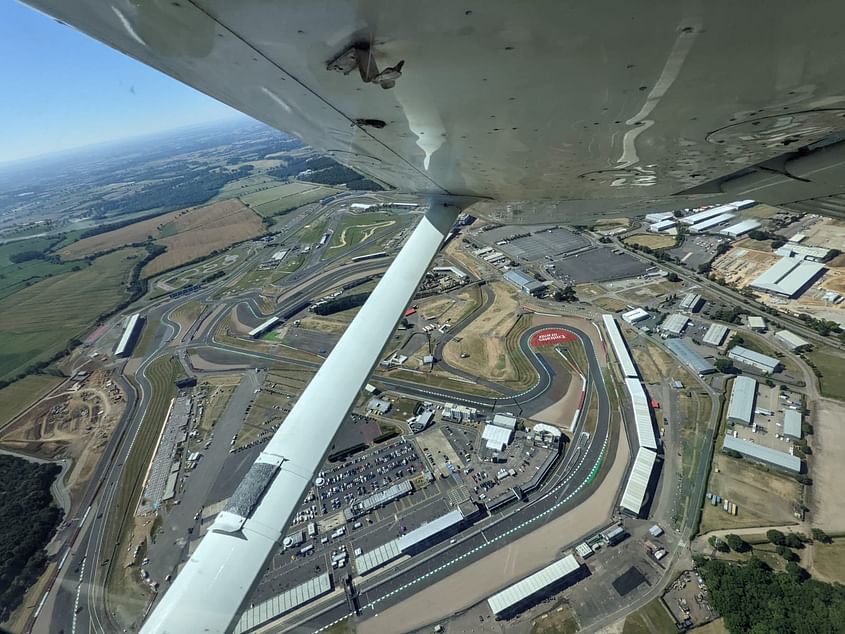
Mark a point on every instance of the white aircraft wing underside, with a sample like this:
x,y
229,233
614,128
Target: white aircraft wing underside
x,y
626,105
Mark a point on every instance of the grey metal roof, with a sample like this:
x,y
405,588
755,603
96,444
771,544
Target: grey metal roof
x,y
792,423
704,225
503,420
707,213
380,498
743,392
787,276
511,596
690,301
764,454
755,321
617,342
429,530
642,413
518,277
741,227
637,485
791,339
689,356
715,334
283,603
753,358
675,323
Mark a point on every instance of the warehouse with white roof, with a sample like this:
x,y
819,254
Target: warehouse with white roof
x,y
534,588
690,357
634,316
706,225
636,489
766,455
743,395
496,438
740,228
674,325
788,277
791,340
754,359
715,335
792,424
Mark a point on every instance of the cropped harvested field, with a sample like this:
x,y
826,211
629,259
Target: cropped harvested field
x,y
40,320
652,241
274,193
137,232
16,397
201,231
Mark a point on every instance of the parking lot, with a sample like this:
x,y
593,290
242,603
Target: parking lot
x,y
354,479
597,265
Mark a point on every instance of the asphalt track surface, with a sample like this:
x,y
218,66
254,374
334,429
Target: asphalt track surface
x,y
574,480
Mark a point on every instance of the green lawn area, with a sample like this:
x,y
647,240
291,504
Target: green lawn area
x,y
246,186
829,560
652,618
15,277
355,228
39,321
275,192
20,394
311,233
832,368
282,198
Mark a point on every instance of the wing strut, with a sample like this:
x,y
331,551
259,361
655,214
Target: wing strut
x,y
209,593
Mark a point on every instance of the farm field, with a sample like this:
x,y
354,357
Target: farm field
x,y
832,370
281,198
39,321
201,231
15,397
136,232
16,276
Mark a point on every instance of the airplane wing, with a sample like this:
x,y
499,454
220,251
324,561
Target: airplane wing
x,y
548,110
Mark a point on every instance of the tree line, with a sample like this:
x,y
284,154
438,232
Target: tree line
x,y
29,519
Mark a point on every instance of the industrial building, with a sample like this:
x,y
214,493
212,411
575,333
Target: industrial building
x,y
633,498
715,335
791,340
428,534
503,420
657,216
259,330
706,225
692,302
754,359
617,342
802,252
740,228
379,499
378,405
690,357
642,414
663,225
766,455
792,424
543,583
717,211
130,336
634,316
496,438
743,396
674,324
756,323
788,277
524,282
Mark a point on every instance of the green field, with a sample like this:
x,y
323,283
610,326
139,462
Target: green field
x,y
276,200
20,394
832,369
354,228
15,277
39,321
653,618
246,186
312,232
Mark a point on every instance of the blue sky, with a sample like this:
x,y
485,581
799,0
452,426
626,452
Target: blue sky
x,y
62,89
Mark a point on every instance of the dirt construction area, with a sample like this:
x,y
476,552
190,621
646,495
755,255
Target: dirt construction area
x,y
75,424
482,343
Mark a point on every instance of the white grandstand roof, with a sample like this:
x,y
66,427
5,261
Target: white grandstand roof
x,y
511,596
741,407
131,325
642,414
283,603
637,486
263,326
496,437
377,557
715,334
432,528
617,342
787,276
